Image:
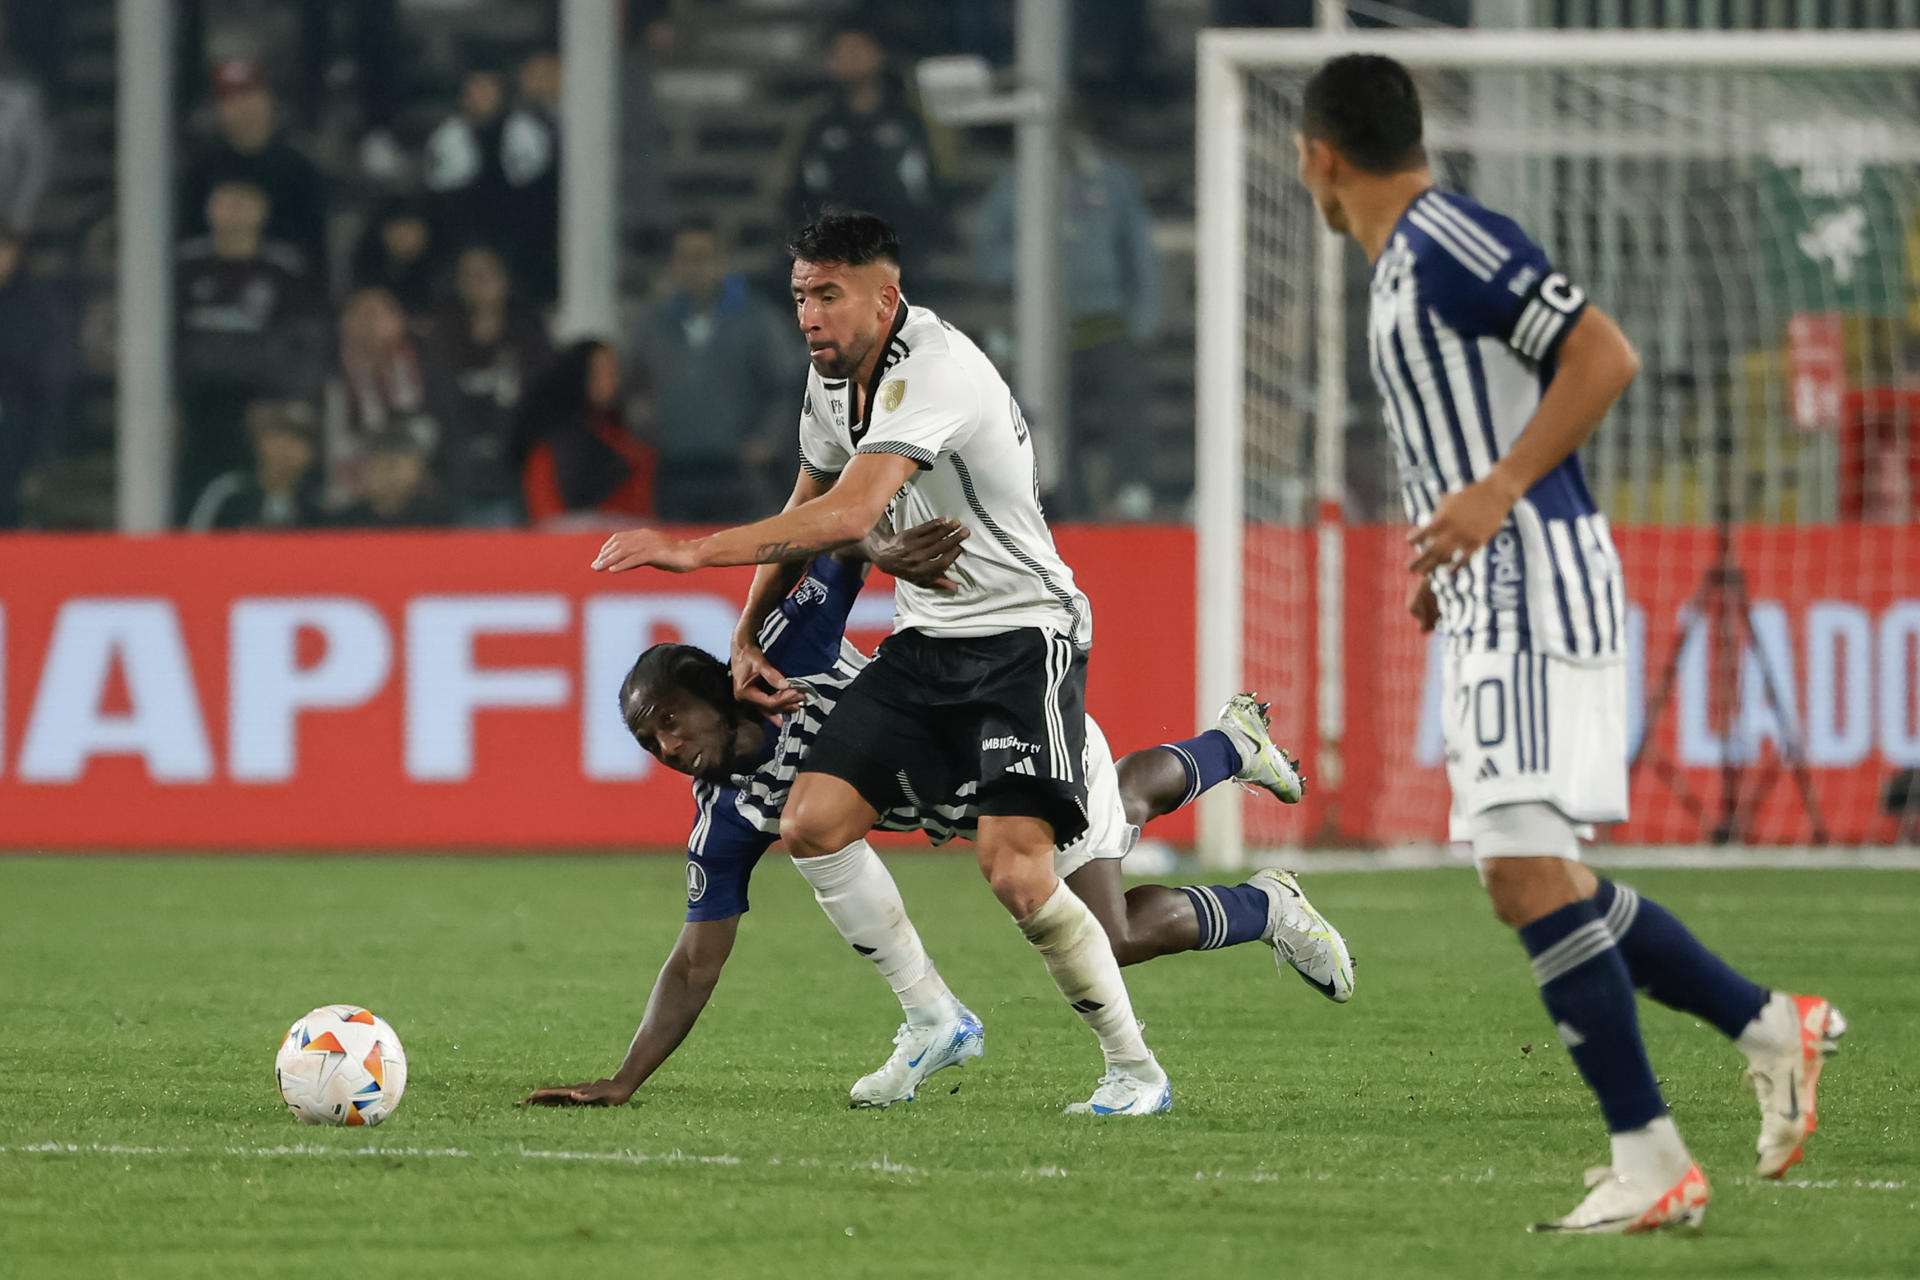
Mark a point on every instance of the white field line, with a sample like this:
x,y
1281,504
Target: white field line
x,y
885,1165
299,1150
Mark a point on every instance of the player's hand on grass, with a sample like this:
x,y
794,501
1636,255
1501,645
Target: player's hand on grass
x,y
1460,526
922,555
759,683
1424,606
594,1093
639,548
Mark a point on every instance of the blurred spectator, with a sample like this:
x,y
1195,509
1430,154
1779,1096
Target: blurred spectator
x,y
724,376
484,349
867,148
89,418
462,164
530,152
251,149
376,388
494,173
1111,41
397,487
1261,13
35,33
281,489
573,451
368,55
983,28
1303,13
38,350
247,329
398,253
26,145
644,208
1114,299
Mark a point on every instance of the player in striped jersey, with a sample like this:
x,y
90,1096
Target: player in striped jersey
x,y
1493,369
983,680
680,705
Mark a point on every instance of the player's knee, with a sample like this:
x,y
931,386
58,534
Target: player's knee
x,y
1523,890
1021,887
1014,891
1508,911
1144,785
1127,949
812,831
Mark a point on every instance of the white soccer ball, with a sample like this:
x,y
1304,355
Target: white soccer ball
x,y
341,1065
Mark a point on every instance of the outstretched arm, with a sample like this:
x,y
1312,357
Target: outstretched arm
x,y
841,515
680,993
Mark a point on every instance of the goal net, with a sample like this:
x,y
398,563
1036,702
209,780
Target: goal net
x,y
1747,206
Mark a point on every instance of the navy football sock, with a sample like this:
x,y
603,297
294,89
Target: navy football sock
x,y
1674,967
1208,761
1229,914
1584,984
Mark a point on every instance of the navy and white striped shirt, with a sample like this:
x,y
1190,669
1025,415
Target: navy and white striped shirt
x,y
805,640
1466,319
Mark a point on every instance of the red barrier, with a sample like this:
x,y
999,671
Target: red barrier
x,y
457,690
415,691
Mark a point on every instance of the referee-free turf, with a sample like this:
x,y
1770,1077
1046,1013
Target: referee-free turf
x,y
1413,1132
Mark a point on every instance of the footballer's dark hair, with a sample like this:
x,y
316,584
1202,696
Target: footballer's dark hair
x,y
1365,106
846,236
678,666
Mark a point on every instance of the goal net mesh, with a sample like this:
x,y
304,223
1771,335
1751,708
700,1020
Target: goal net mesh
x,y
1756,233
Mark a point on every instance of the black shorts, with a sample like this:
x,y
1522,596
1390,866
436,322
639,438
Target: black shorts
x,y
932,713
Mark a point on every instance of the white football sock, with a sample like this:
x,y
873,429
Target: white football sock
x,y
1069,938
854,889
1652,1154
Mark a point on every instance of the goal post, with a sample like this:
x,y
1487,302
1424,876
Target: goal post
x,y
1747,205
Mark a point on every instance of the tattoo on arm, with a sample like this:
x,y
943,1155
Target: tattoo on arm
x,y
775,552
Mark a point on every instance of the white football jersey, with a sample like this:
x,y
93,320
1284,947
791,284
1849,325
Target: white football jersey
x,y
937,399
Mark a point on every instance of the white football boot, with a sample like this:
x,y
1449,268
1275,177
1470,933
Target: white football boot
x,y
1244,719
1125,1093
918,1052
1786,1047
1302,939
1621,1206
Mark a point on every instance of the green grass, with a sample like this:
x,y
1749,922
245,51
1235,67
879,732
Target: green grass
x,y
1411,1133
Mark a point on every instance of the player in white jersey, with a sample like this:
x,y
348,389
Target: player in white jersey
x,y
985,684
1492,369
678,703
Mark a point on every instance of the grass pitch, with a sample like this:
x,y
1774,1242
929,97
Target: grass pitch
x,y
1411,1133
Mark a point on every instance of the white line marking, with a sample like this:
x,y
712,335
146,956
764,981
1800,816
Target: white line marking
x,y
676,1156
884,1164
1825,1184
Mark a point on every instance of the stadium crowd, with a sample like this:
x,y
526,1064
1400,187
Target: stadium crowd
x,y
367,266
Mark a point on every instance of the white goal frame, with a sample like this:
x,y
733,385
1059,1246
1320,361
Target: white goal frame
x,y
1221,137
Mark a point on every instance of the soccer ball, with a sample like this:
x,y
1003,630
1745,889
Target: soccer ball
x,y
341,1065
